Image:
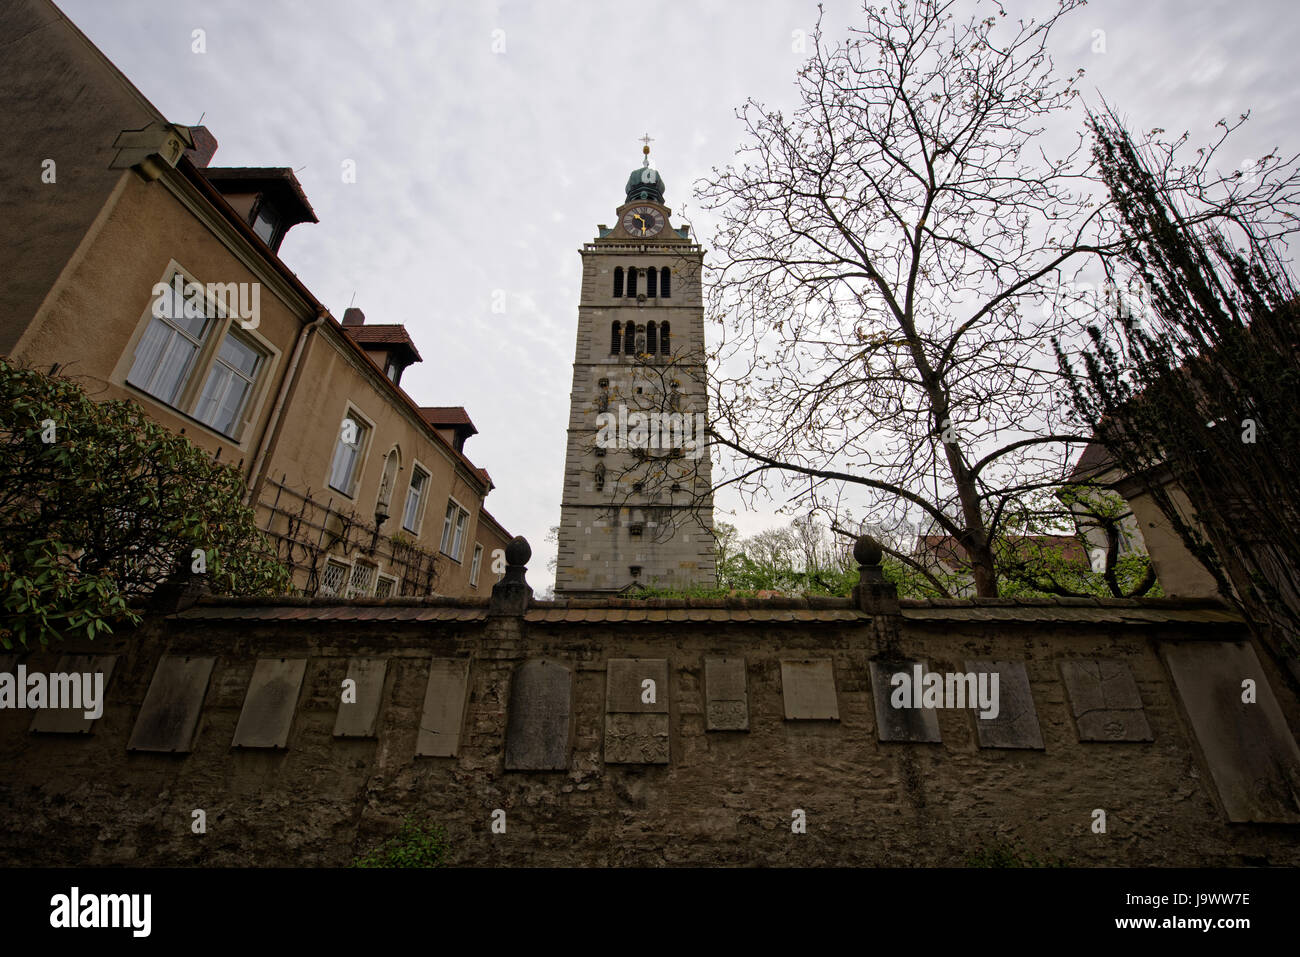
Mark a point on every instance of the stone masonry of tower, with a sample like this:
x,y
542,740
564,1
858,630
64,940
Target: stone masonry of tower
x,y
637,506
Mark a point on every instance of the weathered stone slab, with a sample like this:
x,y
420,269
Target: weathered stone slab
x,y
358,718
1105,700
900,724
636,711
1252,756
1016,724
636,738
626,688
169,715
725,694
73,720
444,708
808,690
270,703
539,727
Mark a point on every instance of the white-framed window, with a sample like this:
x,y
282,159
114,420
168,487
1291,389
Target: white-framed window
x,y
362,581
386,586
475,565
411,512
194,357
230,383
166,353
349,450
333,577
267,223
453,530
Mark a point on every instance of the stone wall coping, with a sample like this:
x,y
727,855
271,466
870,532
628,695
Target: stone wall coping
x,y
734,609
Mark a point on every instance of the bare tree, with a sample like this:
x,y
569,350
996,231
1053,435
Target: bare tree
x,y
886,252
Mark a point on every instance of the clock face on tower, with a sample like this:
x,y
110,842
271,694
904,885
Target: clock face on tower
x,y
643,221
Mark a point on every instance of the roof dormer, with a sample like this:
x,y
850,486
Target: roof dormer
x,y
270,199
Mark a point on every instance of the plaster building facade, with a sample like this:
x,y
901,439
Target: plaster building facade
x,y
144,272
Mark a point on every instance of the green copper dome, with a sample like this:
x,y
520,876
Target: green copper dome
x,y
645,183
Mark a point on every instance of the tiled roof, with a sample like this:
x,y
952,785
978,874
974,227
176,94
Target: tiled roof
x,y
1100,610
383,334
337,609
945,548
447,416
731,610
279,177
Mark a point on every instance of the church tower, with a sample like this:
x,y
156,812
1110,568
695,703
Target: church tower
x,y
637,508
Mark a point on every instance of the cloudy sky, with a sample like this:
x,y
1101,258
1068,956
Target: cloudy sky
x,y
491,137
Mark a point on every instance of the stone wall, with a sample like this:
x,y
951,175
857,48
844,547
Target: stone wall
x,y
1171,793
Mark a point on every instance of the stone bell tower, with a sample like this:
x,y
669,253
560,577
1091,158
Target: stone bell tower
x,y
637,508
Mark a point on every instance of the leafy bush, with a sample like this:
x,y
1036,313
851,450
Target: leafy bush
x,y
99,505
415,845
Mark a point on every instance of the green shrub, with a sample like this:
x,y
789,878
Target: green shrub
x,y
415,845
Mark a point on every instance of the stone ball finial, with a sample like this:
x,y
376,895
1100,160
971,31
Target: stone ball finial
x,y
518,551
867,551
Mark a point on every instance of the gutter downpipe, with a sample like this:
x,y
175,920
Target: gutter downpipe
x,y
272,425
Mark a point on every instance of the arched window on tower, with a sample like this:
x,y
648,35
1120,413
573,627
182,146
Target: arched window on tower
x,y
650,346
613,338
663,338
629,339
651,275
631,282
665,283
618,282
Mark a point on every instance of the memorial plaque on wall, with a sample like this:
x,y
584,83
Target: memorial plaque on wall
x,y
636,711
808,689
80,670
1104,700
444,708
1016,722
1243,734
907,723
270,703
170,713
359,717
539,725
725,694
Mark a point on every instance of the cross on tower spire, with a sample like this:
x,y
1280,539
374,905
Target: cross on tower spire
x,y
647,140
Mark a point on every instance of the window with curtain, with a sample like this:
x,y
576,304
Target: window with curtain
x,y
453,531
475,565
414,497
230,383
347,455
165,354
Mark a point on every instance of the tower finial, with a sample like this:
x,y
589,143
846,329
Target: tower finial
x,y
647,140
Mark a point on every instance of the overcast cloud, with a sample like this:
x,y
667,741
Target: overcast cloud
x,y
480,171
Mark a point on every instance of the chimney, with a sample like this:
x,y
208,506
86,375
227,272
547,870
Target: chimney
x,y
205,145
354,317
